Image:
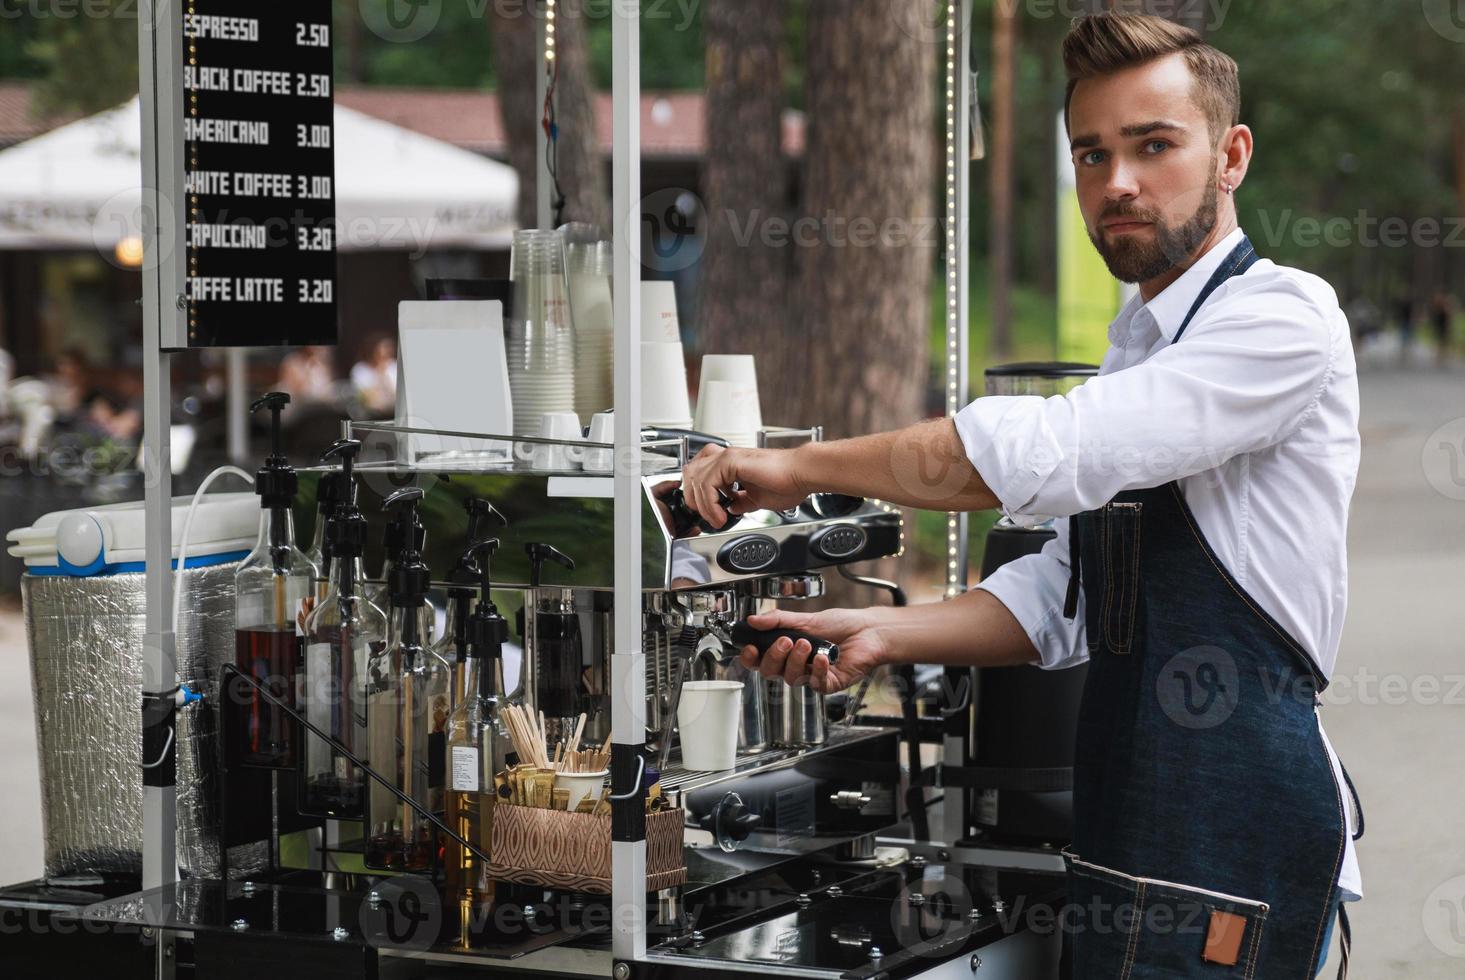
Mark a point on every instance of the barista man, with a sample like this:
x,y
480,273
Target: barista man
x,y
1204,477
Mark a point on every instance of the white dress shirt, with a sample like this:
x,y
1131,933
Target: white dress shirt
x,y
1254,412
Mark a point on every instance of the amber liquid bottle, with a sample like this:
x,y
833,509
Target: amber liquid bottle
x,y
478,748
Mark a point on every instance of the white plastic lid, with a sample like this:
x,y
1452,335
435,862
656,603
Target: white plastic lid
x,y
110,540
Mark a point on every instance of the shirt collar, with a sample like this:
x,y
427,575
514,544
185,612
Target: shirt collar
x,y
1170,307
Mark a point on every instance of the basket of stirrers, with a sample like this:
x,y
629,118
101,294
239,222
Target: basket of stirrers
x,y
551,824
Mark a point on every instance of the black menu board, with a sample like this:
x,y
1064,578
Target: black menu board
x,y
260,174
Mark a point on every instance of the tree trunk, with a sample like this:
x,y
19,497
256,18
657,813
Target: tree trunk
x,y
1000,171
865,248
581,164
1457,151
744,302
349,38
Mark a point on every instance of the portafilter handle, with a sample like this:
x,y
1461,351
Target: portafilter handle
x,y
740,635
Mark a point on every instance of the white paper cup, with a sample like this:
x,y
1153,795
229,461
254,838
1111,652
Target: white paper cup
x,y
659,320
563,426
740,371
602,429
664,384
580,785
707,718
730,410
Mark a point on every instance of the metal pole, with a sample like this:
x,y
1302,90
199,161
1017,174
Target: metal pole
x,y
160,49
628,663
238,405
543,64
957,187
958,75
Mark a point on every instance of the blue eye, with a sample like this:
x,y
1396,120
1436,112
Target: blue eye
x,y
1091,158
1162,144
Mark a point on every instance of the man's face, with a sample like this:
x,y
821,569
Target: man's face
x,y
1146,167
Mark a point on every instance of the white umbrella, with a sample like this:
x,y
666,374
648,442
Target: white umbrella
x,y
79,186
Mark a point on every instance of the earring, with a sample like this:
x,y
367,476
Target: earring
x,y
1228,187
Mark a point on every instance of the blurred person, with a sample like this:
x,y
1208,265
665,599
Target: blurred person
x,y
69,385
114,419
7,375
1404,314
1442,315
374,378
308,375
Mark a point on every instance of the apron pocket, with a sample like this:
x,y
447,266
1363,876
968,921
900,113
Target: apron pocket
x,y
1120,532
1125,926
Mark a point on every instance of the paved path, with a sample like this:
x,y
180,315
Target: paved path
x,y
1396,713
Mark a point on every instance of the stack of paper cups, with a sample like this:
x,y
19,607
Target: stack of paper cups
x,y
727,400
541,345
590,306
664,401
659,319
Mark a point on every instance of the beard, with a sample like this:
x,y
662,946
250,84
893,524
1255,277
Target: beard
x,y
1131,259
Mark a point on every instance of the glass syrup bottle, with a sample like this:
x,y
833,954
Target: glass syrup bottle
x,y
478,749
452,647
405,683
343,633
328,493
271,590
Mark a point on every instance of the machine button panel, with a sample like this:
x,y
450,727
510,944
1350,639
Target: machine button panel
x,y
747,554
839,541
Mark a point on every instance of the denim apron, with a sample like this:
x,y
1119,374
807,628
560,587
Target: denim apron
x,y
1209,829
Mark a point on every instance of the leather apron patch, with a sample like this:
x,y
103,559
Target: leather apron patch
x,y
1223,940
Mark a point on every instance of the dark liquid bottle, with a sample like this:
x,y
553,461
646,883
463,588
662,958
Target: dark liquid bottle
x,y
271,592
272,659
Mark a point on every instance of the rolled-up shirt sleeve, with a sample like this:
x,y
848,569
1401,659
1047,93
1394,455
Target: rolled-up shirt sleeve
x,y
1240,380
1033,588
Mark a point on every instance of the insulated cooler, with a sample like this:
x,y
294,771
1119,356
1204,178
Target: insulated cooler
x,y
85,606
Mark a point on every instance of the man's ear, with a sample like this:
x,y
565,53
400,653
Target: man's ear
x,y
1235,151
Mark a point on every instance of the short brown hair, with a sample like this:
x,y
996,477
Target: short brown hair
x,y
1107,42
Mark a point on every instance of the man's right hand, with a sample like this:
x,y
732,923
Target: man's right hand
x,y
767,480
862,648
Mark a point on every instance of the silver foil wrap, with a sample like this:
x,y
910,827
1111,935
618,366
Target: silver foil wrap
x,y
86,638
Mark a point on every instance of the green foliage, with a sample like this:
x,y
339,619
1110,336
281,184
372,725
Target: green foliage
x,y
17,57
1350,105
88,62
456,53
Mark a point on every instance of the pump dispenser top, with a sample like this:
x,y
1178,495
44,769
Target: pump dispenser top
x,y
346,536
488,630
538,553
410,579
464,577
275,482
